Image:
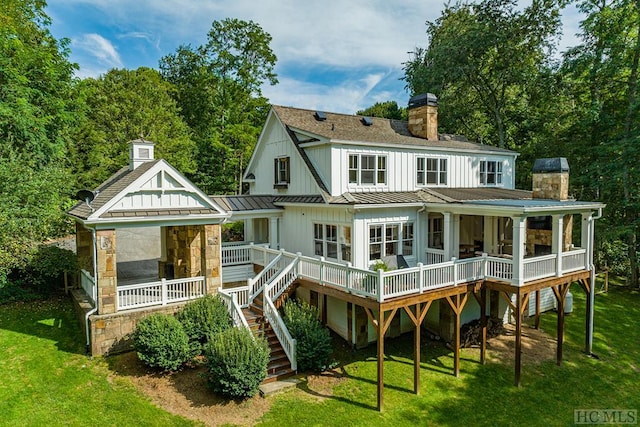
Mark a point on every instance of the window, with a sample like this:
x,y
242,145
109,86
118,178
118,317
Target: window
x,y
390,239
436,231
326,238
281,172
490,172
431,171
366,169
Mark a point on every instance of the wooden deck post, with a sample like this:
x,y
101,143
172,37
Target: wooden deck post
x,y
380,358
416,353
537,324
585,284
457,304
518,349
483,325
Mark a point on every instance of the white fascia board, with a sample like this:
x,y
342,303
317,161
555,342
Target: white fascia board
x,y
425,148
266,213
488,210
124,222
270,115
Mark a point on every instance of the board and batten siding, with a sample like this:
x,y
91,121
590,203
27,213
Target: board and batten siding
x,y
296,229
365,218
274,143
463,169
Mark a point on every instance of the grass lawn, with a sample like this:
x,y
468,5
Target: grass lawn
x,y
485,395
46,379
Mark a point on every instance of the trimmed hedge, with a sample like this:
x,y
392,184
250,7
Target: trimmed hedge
x,y
161,342
202,318
237,362
313,340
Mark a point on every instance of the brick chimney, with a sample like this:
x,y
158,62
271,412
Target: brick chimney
x,y
551,179
423,116
140,151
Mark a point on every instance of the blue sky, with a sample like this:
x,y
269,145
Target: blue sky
x,y
333,55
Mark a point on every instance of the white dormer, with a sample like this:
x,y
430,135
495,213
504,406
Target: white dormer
x,y
140,151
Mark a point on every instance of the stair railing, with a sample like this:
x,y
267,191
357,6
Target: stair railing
x,y
281,331
256,284
272,290
231,301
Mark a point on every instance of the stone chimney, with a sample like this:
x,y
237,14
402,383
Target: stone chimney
x,y
423,116
140,151
551,179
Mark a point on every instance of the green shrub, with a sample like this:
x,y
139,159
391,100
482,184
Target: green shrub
x,y
44,272
312,339
202,318
161,342
237,362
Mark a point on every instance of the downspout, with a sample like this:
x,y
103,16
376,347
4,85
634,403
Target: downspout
x,y
592,292
95,290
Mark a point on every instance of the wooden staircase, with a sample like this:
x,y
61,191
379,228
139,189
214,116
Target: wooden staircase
x,y
279,365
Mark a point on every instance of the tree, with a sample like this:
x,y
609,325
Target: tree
x,y
228,110
121,106
480,60
387,110
36,115
603,75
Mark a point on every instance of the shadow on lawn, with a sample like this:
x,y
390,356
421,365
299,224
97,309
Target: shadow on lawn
x,y
52,319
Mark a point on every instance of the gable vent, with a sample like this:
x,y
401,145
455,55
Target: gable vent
x,y
367,121
320,116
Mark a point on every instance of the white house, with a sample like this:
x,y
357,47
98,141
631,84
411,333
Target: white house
x,y
334,197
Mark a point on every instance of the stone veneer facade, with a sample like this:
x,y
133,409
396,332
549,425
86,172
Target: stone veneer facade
x,y
194,250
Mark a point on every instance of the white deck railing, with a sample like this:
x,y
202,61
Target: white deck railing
x,y
434,256
239,253
161,292
234,307
88,284
281,331
574,260
540,267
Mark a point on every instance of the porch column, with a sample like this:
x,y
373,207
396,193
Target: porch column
x,y
248,230
557,239
585,238
210,257
274,241
519,249
107,279
448,237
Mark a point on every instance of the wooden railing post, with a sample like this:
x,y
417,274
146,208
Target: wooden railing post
x,y
348,276
321,270
420,277
380,286
163,290
485,265
455,271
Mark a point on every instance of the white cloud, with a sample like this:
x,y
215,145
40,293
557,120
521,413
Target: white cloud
x,y
100,48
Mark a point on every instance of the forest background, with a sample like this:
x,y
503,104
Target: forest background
x,y
493,65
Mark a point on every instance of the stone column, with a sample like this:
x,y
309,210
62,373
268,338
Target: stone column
x,y
84,248
107,279
210,257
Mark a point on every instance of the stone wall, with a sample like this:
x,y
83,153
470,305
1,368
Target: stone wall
x,y
112,333
551,185
107,276
423,122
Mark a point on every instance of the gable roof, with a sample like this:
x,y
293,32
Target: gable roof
x,y
154,191
350,128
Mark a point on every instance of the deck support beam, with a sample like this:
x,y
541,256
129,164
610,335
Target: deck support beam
x,y
560,291
420,313
481,297
588,286
522,301
457,304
